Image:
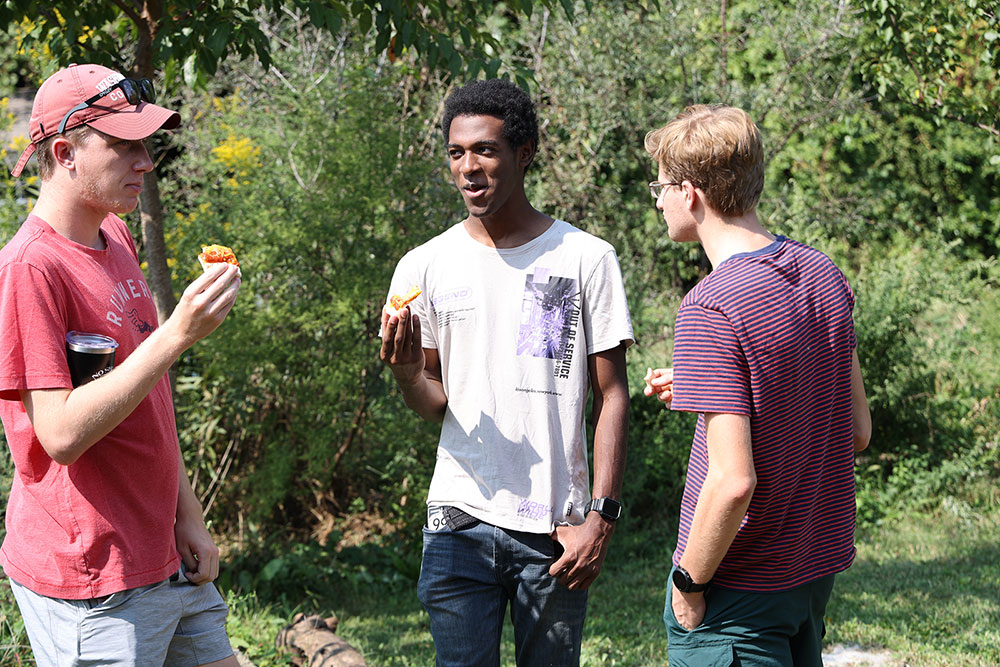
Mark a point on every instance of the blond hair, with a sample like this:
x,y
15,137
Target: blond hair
x,y
46,163
718,149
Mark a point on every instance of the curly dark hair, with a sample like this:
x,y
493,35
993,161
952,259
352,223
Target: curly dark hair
x,y
499,98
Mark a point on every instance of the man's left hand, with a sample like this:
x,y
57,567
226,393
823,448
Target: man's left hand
x,y
197,550
689,608
584,549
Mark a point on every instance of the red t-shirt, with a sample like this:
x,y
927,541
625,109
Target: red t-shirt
x,y
105,522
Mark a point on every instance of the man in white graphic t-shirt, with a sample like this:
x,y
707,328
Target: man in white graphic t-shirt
x,y
520,317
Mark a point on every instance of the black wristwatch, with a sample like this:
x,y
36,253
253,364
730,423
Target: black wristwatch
x,y
684,582
607,508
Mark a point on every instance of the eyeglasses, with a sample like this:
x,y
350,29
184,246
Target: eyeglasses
x,y
135,91
655,188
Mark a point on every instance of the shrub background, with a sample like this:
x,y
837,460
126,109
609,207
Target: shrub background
x,y
323,169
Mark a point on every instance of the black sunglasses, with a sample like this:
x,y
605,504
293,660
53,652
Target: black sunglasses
x,y
135,91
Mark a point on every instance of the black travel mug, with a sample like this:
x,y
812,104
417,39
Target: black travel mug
x,y
89,355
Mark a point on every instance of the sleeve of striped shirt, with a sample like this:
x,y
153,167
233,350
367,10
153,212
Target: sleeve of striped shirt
x,y
710,370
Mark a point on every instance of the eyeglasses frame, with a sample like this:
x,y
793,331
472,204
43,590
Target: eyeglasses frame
x,y
656,188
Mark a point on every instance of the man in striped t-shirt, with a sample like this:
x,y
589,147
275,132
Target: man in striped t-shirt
x,y
764,352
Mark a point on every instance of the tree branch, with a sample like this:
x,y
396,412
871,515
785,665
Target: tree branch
x,y
130,10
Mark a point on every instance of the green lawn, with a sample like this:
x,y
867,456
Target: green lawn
x,y
925,588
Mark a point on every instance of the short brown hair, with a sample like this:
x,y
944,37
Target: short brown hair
x,y
716,147
46,165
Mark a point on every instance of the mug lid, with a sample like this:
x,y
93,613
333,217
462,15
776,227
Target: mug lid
x,y
79,341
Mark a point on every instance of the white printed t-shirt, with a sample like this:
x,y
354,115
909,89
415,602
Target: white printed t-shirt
x,y
513,329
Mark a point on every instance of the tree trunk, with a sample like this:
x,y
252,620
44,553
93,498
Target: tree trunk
x,y
150,206
315,644
155,248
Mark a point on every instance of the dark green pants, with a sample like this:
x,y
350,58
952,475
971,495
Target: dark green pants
x,y
753,629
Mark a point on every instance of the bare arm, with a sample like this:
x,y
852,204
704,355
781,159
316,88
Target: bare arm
x,y
585,546
194,543
68,422
417,369
859,405
722,504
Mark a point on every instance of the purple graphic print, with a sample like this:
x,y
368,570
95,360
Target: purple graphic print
x,y
550,314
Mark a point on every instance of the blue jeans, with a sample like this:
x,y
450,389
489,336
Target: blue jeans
x,y
468,576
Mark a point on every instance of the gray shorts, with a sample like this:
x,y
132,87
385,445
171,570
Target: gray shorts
x,y
172,622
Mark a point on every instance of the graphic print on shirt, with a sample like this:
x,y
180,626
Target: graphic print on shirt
x,y
124,292
550,314
449,306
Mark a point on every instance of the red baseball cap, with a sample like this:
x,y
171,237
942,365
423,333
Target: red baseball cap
x,y
112,114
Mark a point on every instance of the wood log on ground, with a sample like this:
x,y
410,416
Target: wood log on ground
x,y
315,643
242,659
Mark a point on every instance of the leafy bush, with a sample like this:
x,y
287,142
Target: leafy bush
x,y
288,400
659,445
926,337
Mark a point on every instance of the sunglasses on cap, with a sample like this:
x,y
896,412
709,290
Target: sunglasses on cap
x,y
135,91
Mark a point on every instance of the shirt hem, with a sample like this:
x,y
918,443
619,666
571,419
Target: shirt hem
x,y
105,586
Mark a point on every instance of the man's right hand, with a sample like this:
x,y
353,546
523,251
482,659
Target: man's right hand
x,y
402,348
417,370
661,383
205,303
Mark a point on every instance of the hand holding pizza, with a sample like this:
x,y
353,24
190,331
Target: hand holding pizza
x,y
402,345
206,302
396,302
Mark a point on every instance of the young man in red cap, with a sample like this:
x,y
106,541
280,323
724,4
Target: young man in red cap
x,y
764,351
106,548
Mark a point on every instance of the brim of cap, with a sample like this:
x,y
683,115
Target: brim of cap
x,y
136,122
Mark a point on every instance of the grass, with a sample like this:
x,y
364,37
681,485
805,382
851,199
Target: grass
x,y
925,588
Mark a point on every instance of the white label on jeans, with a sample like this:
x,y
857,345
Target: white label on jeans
x,y
435,519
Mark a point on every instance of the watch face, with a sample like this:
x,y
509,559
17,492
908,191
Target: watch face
x,y
680,581
609,509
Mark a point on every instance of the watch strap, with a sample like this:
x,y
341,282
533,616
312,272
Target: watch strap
x,y
684,582
608,508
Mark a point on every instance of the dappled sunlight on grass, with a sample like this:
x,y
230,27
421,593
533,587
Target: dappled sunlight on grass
x,y
927,589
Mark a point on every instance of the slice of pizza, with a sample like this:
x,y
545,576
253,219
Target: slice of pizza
x,y
213,254
396,302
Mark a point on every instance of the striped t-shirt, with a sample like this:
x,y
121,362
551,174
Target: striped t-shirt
x,y
769,334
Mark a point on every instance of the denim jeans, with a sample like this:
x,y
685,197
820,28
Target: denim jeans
x,y
468,576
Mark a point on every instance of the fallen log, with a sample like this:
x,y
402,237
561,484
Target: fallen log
x,y
316,644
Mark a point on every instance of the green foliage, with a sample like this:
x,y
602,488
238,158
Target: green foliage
x,y
191,39
928,351
870,176
924,588
318,203
938,56
13,638
659,444
307,574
